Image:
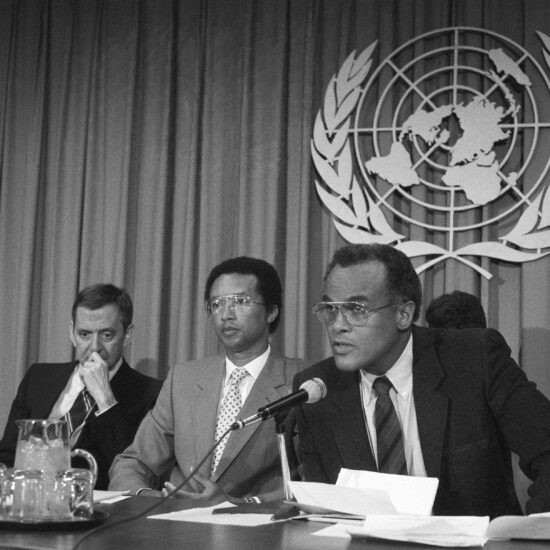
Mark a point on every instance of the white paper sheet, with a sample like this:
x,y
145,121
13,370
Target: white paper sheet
x,y
361,493
455,531
409,495
205,515
445,530
319,497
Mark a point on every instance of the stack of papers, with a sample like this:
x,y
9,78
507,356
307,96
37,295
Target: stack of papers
x,y
453,530
360,493
391,507
435,530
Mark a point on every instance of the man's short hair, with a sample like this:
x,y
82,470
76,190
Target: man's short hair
x,y
101,294
402,280
456,310
269,284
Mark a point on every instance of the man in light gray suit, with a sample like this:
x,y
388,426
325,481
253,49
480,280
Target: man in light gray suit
x,y
199,400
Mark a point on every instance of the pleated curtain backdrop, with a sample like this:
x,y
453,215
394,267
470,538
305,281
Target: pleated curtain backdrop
x,y
142,142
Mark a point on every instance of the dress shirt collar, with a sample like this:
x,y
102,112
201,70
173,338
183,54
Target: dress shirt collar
x,y
400,374
254,368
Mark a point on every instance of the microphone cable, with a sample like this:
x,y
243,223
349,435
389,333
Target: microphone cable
x,y
106,526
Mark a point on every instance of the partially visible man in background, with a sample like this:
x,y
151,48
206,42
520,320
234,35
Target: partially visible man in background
x,y
102,398
456,310
200,400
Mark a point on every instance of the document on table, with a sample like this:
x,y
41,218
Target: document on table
x,y
205,515
399,508
431,530
360,493
456,531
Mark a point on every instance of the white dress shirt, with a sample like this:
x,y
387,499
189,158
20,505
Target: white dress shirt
x,y
401,376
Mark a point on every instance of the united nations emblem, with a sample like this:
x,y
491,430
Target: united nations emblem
x,y
445,139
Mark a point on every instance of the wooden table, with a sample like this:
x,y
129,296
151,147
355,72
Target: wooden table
x,y
150,534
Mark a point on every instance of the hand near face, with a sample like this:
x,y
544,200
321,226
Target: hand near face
x,y
95,375
202,489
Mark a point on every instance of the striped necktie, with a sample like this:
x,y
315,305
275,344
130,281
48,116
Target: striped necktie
x,y
389,438
77,415
229,410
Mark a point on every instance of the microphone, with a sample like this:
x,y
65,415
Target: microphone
x,y
310,391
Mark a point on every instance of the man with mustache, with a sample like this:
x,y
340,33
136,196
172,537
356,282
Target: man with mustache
x,y
201,398
403,399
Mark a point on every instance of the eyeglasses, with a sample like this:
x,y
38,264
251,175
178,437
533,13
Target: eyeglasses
x,y
355,313
239,303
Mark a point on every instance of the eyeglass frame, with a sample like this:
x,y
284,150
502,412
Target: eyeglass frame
x,y
339,305
229,300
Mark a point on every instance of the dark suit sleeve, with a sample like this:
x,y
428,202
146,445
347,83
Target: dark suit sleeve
x,y
523,414
109,433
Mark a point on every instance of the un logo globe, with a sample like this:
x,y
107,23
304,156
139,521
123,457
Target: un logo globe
x,y
444,134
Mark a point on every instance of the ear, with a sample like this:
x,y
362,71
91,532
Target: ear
x,y
404,315
129,335
71,334
272,315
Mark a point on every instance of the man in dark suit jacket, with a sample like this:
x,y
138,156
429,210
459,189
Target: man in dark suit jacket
x,y
100,328
243,299
463,404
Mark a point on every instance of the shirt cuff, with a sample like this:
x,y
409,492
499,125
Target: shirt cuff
x,y
98,413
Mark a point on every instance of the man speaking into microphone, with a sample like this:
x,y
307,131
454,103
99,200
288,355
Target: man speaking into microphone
x,y
202,399
409,400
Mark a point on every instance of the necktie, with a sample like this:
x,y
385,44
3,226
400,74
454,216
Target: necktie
x,y
76,417
229,410
389,439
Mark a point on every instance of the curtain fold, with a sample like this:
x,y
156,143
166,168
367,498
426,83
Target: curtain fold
x,y
144,141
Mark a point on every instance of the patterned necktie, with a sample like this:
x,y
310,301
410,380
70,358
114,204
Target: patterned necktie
x,y
389,439
229,410
77,415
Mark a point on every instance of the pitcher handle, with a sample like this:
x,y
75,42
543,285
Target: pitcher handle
x,y
89,459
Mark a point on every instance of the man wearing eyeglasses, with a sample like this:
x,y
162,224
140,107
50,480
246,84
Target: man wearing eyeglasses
x,y
201,399
409,400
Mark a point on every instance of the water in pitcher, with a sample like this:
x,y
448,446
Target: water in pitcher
x,y
50,457
43,454
37,454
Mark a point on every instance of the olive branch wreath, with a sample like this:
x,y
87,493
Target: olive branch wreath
x,y
358,217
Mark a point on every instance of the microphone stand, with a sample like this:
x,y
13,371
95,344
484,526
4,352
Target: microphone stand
x,y
285,469
285,509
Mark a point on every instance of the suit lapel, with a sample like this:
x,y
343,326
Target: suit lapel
x,y
346,420
430,404
206,396
269,386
